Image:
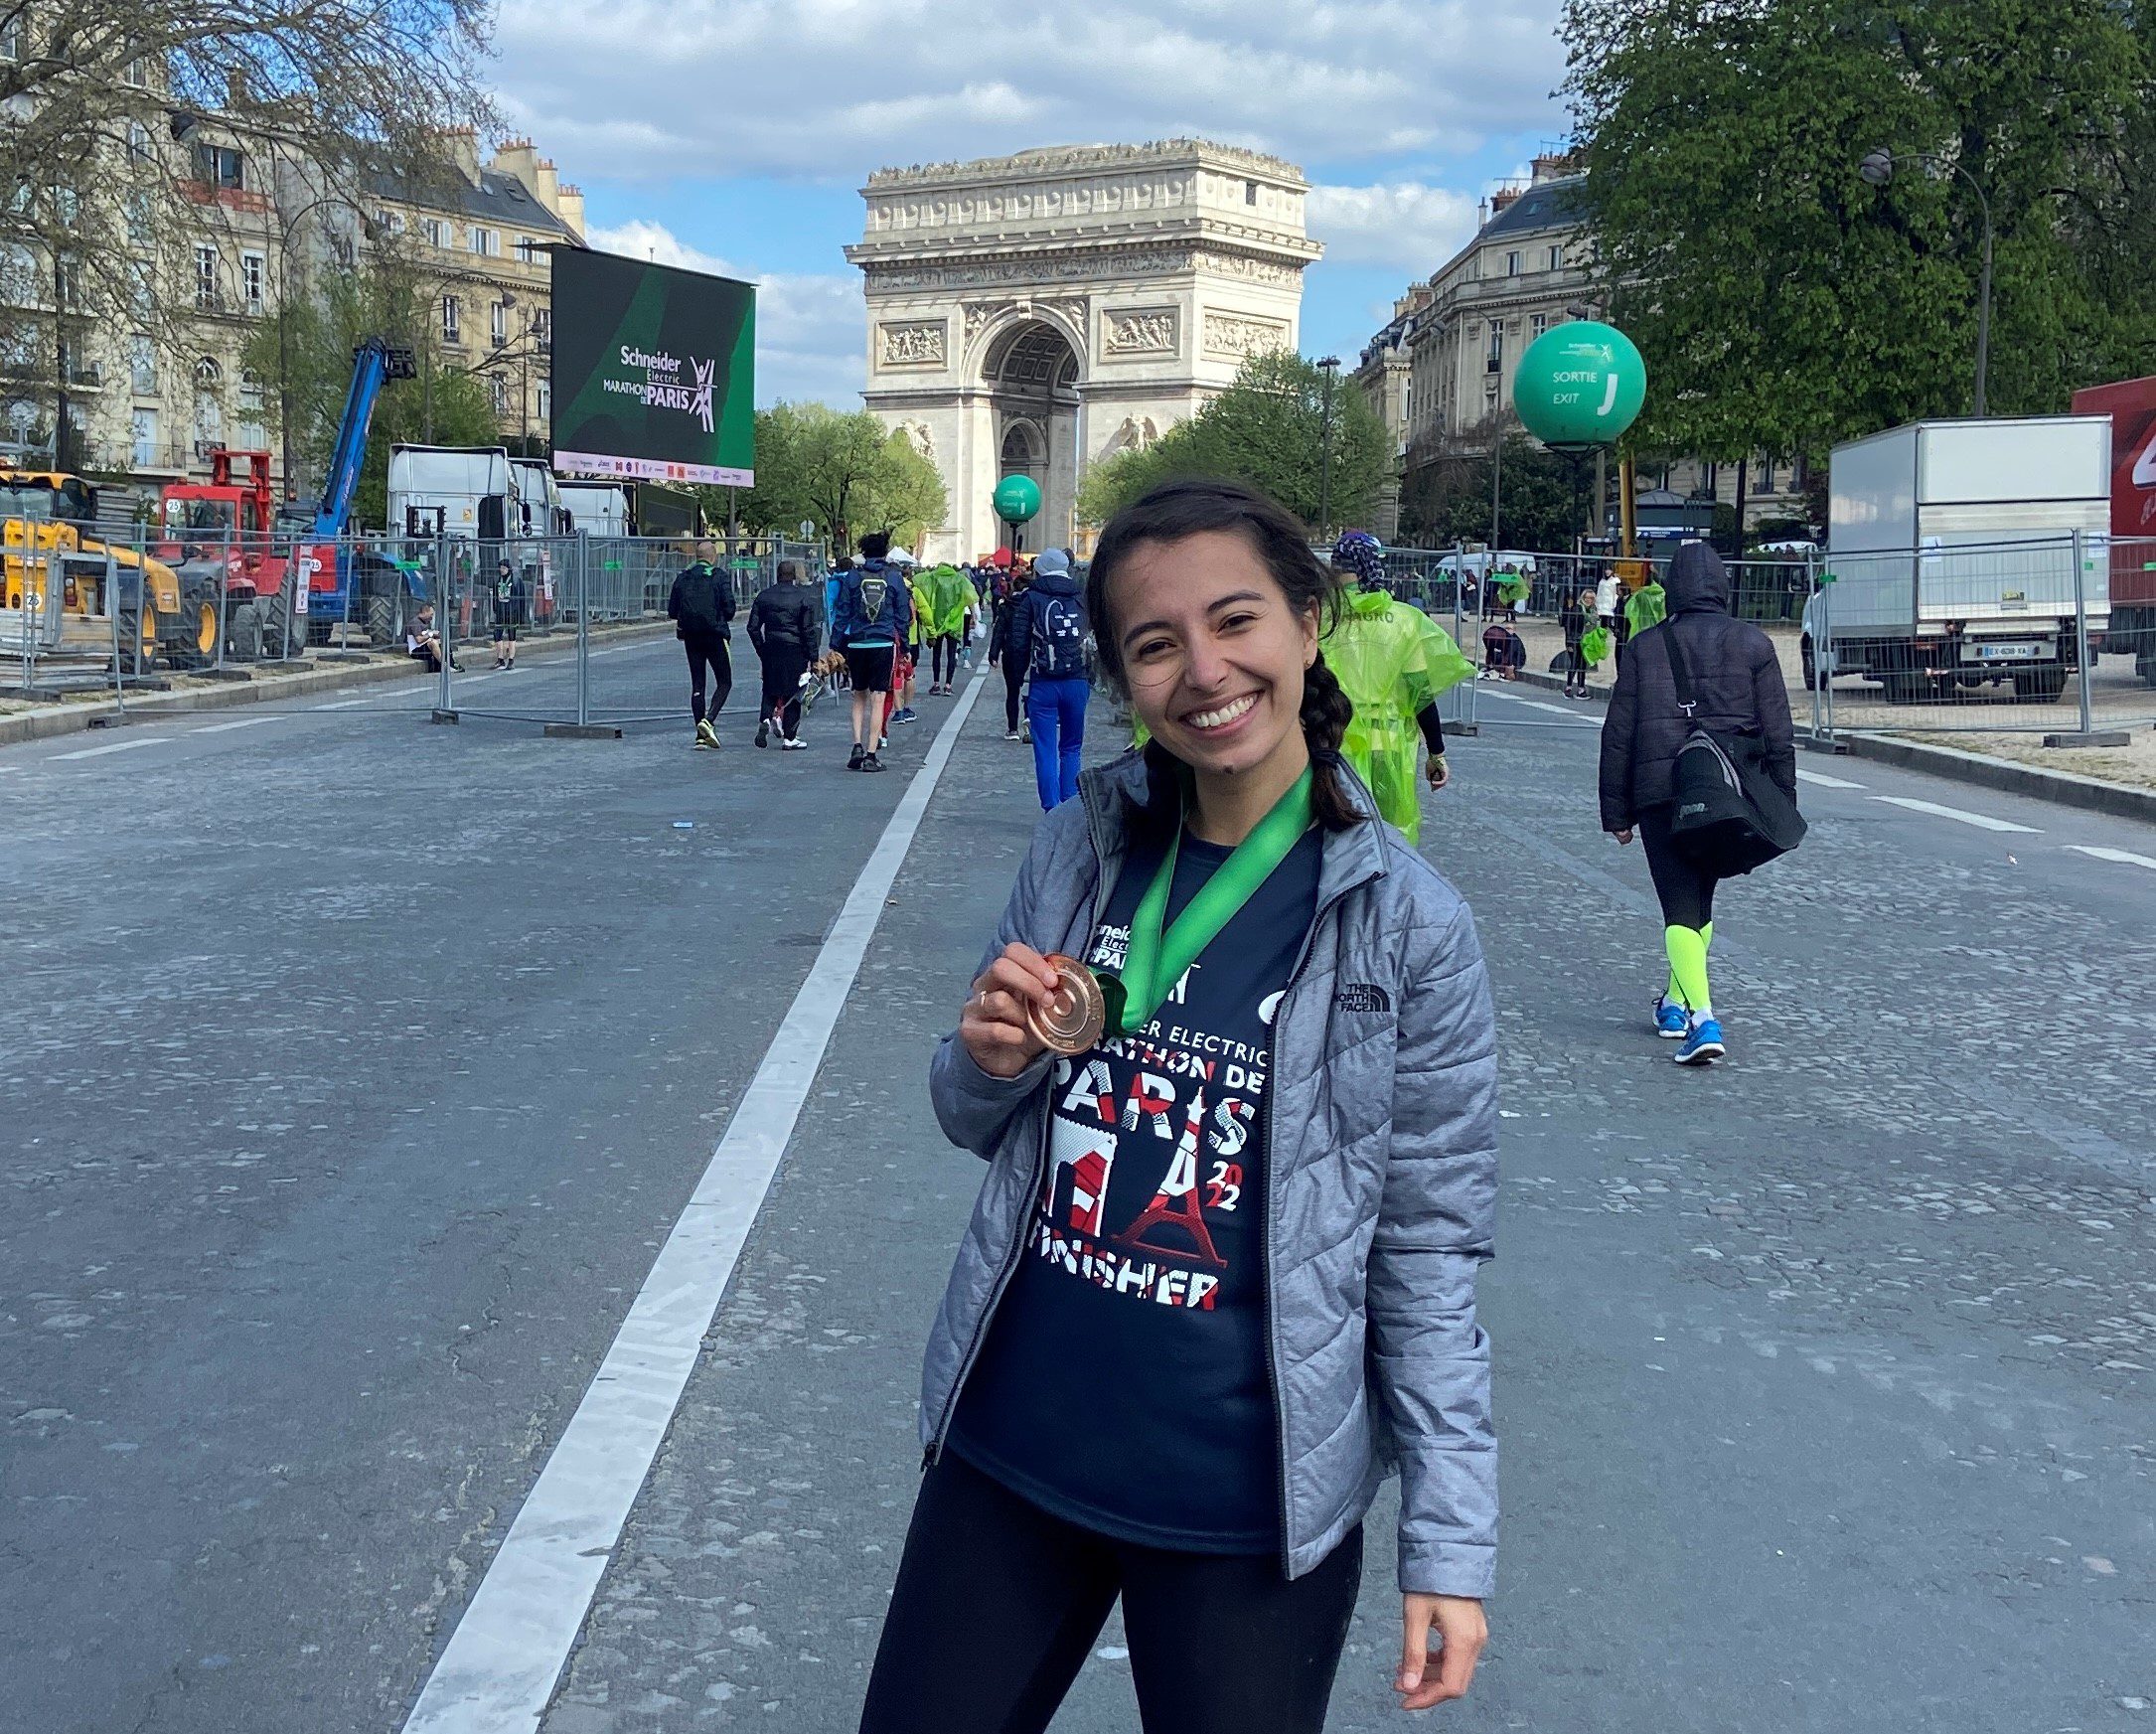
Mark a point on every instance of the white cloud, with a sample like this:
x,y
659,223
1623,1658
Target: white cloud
x,y
831,89
809,327
1402,224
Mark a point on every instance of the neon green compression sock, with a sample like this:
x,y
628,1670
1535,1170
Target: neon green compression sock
x,y
1687,948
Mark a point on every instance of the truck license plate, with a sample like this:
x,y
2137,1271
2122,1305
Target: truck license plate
x,y
2009,652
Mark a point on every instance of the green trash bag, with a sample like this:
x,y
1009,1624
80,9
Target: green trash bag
x,y
1594,646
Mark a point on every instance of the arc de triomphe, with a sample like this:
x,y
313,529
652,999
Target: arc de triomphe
x,y
1034,313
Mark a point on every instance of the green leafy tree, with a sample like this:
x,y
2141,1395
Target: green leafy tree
x,y
1782,301
1271,429
304,353
845,472
1546,499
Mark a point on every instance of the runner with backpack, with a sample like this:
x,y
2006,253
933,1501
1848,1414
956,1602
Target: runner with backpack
x,y
1048,630
1698,758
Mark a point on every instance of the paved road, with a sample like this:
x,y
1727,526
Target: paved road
x,y
336,1160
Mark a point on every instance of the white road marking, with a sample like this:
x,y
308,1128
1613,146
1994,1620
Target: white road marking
x,y
502,1663
116,747
1824,781
2125,857
244,722
1983,820
1570,710
342,705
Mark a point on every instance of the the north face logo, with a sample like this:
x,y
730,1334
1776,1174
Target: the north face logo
x,y
1362,997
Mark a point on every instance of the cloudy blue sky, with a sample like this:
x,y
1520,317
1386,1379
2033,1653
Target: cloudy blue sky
x,y
736,135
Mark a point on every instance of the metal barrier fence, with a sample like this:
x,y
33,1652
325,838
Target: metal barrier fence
x,y
2052,635
83,617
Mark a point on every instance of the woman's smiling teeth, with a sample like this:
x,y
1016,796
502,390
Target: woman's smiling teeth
x,y
1229,712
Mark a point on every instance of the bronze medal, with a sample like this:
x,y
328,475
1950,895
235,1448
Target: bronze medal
x,y
1072,1022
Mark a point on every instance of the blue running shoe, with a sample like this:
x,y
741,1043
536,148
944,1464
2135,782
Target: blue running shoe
x,y
1672,1020
1702,1045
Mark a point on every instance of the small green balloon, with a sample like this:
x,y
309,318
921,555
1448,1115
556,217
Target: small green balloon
x,y
1017,498
1580,386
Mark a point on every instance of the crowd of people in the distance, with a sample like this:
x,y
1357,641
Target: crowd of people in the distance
x,y
886,630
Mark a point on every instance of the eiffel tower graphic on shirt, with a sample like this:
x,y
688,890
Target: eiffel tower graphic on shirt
x,y
1178,1203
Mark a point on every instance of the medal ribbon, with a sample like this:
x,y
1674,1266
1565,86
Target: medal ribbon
x,y
1156,961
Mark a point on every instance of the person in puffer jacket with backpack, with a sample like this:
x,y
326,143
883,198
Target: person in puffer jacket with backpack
x,y
1738,688
1048,630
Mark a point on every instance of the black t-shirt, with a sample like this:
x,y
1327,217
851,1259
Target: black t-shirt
x,y
1124,1383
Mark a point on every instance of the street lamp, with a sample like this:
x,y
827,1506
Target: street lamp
x,y
1877,169
1329,366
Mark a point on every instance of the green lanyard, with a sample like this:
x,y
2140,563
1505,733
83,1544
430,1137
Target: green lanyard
x,y
1156,961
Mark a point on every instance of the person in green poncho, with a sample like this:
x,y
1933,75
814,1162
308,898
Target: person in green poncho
x,y
1393,661
1646,607
948,597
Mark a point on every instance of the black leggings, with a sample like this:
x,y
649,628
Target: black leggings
x,y
782,670
1686,894
943,659
1014,684
997,1603
711,654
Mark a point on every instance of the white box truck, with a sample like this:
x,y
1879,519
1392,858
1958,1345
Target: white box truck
x,y
489,507
1950,549
603,508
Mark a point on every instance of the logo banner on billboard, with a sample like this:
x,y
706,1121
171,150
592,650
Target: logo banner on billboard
x,y
654,372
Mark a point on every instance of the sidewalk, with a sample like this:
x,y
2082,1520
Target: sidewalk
x,y
269,685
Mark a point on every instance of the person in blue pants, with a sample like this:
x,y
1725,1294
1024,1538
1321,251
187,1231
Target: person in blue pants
x,y
1048,628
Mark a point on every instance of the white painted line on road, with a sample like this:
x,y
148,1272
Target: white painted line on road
x,y
1981,820
1824,781
244,722
342,705
2125,857
1573,710
502,1663
116,747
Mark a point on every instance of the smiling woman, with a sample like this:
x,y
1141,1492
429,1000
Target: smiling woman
x,y
1229,1059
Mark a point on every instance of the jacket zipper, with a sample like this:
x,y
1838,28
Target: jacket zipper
x,y
1271,1170
934,1448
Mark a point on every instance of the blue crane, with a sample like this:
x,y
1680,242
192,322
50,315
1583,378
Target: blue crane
x,y
373,585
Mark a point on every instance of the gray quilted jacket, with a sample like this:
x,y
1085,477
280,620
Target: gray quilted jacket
x,y
1381,1184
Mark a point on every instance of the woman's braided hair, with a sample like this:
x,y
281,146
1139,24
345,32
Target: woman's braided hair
x,y
1192,506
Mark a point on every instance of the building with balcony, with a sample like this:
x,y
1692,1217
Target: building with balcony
x,y
128,315
480,237
1440,373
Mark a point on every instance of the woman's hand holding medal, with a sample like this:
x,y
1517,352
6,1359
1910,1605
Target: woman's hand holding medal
x,y
997,1024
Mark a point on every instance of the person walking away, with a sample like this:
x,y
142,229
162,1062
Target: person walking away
x,y
1013,662
949,593
512,602
915,649
1646,607
869,625
783,626
1738,689
1048,627
1575,615
833,581
702,608
1393,661
1221,1274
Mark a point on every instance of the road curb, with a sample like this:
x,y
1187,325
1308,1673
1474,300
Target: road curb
x,y
2001,775
2064,788
53,721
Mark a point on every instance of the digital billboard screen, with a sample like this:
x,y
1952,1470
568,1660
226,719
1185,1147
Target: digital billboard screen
x,y
654,372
